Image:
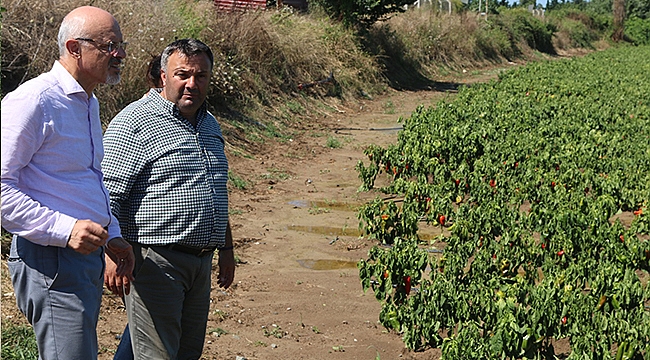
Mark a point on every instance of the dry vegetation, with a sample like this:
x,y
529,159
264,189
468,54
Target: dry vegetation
x,y
262,56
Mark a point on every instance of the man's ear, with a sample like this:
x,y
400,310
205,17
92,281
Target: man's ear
x,y
163,77
73,48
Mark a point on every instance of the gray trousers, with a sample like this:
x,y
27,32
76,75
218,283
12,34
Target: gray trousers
x,y
168,304
60,291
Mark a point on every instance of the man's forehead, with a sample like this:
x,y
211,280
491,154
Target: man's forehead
x,y
184,62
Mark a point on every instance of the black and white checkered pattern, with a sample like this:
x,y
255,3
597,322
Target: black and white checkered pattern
x,y
166,178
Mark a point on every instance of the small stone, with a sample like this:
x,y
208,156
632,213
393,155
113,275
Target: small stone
x,y
274,346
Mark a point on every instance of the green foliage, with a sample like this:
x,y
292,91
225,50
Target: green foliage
x,y
192,20
494,42
5,242
638,30
18,342
362,12
633,8
237,181
523,25
579,34
528,179
333,142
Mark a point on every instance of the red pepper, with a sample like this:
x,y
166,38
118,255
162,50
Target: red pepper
x,y
407,284
560,253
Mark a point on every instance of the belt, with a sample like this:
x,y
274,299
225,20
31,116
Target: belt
x,y
190,250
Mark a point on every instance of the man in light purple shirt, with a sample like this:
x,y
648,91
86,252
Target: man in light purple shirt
x,y
53,198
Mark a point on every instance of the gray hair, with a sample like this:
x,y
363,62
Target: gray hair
x,y
71,27
187,47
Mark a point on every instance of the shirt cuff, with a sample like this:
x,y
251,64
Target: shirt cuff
x,y
63,230
114,231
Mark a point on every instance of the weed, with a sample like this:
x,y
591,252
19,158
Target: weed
x,y
315,210
235,212
333,143
242,154
389,107
217,332
237,181
295,107
255,138
275,332
220,315
275,174
18,342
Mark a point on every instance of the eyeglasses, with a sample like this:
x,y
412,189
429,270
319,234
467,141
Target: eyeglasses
x,y
111,47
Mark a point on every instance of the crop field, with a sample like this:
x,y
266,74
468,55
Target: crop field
x,y
538,185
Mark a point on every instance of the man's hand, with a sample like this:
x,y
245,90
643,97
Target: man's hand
x,y
87,236
120,254
226,268
120,285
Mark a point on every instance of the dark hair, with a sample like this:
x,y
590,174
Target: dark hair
x,y
153,72
187,47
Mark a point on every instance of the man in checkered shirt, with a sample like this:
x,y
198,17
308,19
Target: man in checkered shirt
x,y
166,171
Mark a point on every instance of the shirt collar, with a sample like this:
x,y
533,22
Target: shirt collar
x,y
168,106
66,81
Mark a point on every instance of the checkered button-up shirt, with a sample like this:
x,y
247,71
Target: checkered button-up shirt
x,y
167,178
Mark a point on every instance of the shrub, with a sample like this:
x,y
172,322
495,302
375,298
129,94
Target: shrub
x,y
362,12
522,25
638,30
579,28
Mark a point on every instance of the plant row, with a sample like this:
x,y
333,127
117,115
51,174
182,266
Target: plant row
x,y
538,184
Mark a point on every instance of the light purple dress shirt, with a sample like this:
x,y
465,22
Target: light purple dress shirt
x,y
51,160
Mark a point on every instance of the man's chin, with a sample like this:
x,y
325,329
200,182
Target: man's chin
x,y
113,79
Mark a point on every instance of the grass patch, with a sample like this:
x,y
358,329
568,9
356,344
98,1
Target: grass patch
x,y
18,342
315,210
389,107
237,182
217,332
275,174
333,143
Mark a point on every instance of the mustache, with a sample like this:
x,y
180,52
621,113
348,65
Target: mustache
x,y
116,61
